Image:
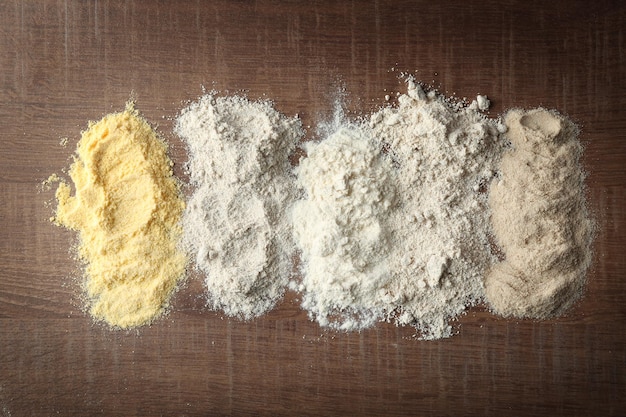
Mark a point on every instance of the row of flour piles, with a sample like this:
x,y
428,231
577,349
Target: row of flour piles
x,y
389,215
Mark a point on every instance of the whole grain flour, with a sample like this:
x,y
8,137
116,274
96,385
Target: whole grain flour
x,y
235,224
540,218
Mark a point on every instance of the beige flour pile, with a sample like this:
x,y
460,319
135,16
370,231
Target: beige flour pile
x,y
539,218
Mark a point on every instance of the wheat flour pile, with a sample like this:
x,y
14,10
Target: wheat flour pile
x,y
445,156
235,223
341,228
395,223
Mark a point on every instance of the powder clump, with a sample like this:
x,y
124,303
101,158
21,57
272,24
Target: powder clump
x,y
445,155
394,225
126,208
340,228
235,224
539,218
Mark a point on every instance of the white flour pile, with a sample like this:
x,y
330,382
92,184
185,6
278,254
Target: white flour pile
x,y
446,155
341,228
401,236
235,223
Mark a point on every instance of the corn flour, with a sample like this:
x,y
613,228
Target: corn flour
x,y
126,208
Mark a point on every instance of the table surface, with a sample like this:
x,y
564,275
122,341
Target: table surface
x,y
63,63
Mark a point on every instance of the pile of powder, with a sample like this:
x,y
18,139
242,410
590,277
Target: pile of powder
x,y
235,223
340,228
445,156
400,234
539,218
127,210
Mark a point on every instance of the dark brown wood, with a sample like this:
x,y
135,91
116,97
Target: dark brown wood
x,y
63,63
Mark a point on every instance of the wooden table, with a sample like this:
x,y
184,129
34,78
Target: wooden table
x,y
63,63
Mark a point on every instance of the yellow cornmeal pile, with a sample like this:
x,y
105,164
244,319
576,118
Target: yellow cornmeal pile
x,y
127,209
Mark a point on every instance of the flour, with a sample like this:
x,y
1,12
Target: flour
x,y
341,228
127,208
445,155
400,234
539,218
235,224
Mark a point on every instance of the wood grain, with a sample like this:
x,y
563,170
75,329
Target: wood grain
x,y
63,63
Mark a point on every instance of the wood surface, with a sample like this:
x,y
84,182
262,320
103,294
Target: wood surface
x,y
63,63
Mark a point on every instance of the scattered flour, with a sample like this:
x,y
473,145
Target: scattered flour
x,y
235,224
392,215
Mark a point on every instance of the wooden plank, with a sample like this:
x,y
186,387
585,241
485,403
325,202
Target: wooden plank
x,y
66,62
